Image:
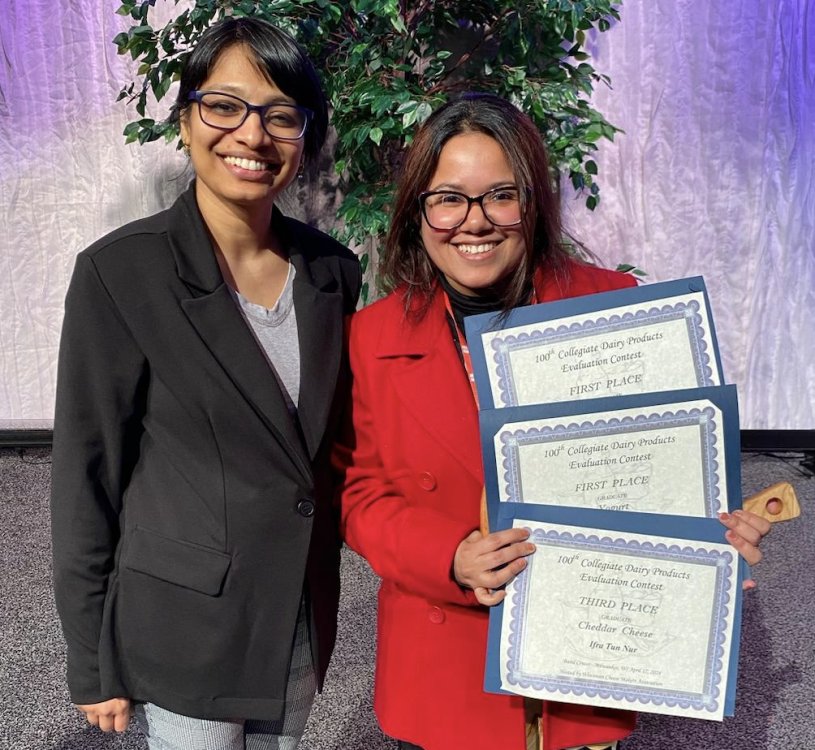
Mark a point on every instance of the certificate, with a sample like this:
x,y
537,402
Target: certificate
x,y
609,613
651,338
671,452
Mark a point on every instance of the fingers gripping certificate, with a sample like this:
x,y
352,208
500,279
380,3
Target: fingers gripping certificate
x,y
651,338
622,619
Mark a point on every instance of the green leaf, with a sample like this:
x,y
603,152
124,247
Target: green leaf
x,y
407,106
121,40
409,118
132,128
162,87
141,32
423,111
398,24
628,268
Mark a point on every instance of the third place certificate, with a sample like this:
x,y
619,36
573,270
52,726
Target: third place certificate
x,y
623,620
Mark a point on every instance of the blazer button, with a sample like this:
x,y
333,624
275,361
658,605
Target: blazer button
x,y
427,481
435,615
306,507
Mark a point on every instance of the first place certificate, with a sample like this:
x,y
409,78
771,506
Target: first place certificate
x,y
657,337
607,616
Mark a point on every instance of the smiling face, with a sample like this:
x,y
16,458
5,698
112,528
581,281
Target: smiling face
x,y
476,256
245,167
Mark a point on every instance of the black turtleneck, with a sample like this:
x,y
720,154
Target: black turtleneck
x,y
464,305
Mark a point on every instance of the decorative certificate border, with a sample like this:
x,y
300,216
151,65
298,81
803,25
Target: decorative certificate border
x,y
722,615
709,430
689,311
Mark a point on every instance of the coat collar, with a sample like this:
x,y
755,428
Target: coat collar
x,y
191,245
415,340
318,303
430,381
218,321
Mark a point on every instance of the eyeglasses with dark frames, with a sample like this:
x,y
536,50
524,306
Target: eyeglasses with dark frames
x,y
448,209
282,121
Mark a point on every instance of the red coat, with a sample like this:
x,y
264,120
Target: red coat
x,y
413,482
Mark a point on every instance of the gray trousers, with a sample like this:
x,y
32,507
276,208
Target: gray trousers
x,y
166,730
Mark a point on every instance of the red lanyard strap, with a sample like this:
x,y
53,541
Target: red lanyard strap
x,y
461,343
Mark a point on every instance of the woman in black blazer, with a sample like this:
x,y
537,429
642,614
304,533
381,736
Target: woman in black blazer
x,y
201,372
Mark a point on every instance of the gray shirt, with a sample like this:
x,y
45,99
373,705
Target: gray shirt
x,y
275,329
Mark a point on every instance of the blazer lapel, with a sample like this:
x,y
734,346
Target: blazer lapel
x,y
320,333
433,386
213,313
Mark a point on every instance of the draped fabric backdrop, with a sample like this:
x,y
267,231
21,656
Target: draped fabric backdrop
x,y
713,176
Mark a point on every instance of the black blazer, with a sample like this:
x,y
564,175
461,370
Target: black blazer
x,y
190,511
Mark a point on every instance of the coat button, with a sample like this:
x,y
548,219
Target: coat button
x,y
306,507
435,615
427,481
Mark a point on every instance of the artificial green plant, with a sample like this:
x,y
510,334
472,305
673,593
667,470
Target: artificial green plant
x,y
386,64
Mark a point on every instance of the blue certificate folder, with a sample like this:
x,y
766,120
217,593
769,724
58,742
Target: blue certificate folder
x,y
727,596
638,363
493,364
505,432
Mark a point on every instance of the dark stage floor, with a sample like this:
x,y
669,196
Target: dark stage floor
x,y
776,689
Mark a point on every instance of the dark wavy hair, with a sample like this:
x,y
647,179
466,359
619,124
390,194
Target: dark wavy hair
x,y
407,265
277,55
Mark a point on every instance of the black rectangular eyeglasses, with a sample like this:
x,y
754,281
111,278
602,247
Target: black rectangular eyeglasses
x,y
286,122
448,209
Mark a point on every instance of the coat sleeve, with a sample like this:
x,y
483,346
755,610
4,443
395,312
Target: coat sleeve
x,y
101,381
405,543
352,282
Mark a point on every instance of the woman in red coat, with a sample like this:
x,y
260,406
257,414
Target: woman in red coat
x,y
476,228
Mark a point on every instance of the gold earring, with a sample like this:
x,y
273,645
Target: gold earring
x,y
185,147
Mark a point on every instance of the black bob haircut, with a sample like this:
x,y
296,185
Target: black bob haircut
x,y
277,55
